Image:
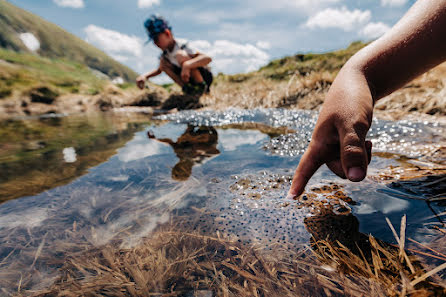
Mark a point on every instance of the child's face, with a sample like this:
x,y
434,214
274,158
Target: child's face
x,y
163,40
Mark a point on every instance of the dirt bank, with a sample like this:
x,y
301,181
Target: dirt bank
x,y
424,97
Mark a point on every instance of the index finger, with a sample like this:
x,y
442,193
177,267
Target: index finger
x,y
308,165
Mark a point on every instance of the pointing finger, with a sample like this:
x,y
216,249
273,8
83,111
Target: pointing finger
x,y
308,165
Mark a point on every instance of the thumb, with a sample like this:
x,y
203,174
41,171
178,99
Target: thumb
x,y
308,165
354,154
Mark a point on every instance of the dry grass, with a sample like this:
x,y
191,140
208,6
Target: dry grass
x,y
425,95
174,263
306,92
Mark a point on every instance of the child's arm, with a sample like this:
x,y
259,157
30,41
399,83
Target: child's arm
x,y
141,80
198,60
414,45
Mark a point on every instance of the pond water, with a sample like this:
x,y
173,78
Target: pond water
x,y
68,184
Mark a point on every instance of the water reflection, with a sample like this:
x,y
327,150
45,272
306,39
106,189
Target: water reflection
x,y
196,145
135,186
40,154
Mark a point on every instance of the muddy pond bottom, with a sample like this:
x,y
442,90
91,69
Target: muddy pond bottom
x,y
118,180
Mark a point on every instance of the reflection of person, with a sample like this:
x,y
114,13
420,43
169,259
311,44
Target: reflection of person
x,y
414,45
187,67
195,145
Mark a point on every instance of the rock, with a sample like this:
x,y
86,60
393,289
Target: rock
x,y
43,95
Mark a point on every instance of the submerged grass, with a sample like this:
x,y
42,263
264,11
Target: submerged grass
x,y
175,263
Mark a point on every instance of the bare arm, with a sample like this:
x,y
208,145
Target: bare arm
x,y
198,60
414,45
140,80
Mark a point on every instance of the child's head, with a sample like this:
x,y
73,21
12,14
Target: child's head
x,y
159,31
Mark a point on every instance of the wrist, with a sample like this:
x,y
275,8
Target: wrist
x,y
186,65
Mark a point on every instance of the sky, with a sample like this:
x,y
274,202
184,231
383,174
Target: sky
x,y
239,35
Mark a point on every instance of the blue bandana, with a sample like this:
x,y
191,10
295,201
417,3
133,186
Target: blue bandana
x,y
155,25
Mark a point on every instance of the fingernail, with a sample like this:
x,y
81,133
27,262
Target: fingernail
x,y
290,196
356,174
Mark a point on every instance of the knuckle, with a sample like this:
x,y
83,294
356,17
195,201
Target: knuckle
x,y
352,151
352,139
361,127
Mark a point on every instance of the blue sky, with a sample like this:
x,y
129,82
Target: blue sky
x,y
239,35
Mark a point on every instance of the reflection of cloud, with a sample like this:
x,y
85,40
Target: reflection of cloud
x,y
339,18
231,139
119,178
30,41
141,147
380,204
29,218
69,154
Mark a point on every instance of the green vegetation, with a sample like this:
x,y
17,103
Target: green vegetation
x,y
25,73
55,43
168,86
302,64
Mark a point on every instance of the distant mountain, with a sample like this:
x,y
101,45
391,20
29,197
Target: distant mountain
x,y
22,31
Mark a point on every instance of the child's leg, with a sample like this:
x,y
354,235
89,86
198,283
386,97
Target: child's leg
x,y
168,68
195,74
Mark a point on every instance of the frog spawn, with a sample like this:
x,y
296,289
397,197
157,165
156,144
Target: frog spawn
x,y
259,215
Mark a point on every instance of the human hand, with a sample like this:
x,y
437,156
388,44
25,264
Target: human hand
x,y
141,81
185,73
339,135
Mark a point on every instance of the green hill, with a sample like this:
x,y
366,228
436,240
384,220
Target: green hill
x,y
55,43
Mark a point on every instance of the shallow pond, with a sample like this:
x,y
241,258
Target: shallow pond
x,y
68,184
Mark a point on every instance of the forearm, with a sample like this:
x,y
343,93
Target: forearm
x,y
414,45
200,60
152,73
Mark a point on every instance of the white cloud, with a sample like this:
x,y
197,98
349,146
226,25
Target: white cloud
x,y
113,42
339,18
393,2
30,41
148,3
300,6
230,57
374,30
265,45
70,3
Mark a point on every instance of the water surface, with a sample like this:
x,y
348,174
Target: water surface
x,y
72,183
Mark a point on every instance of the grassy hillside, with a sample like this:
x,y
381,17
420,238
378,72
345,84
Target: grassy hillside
x,y
21,73
55,42
302,81
300,64
299,81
